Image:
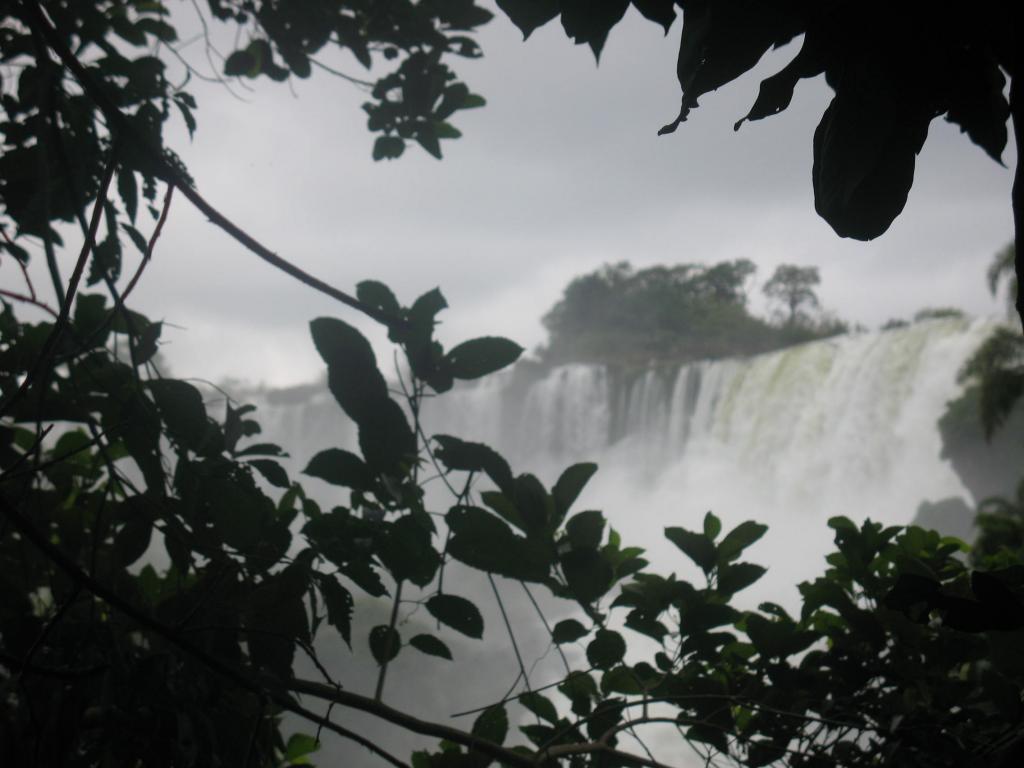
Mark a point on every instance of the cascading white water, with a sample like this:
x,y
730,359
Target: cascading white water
x,y
845,426
842,426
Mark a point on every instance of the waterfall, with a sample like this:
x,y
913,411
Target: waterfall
x,y
843,426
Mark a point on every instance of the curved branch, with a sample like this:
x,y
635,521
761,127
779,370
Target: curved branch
x,y
423,727
172,175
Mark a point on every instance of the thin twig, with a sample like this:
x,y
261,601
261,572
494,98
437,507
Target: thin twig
x,y
511,634
149,246
378,692
547,626
31,300
172,175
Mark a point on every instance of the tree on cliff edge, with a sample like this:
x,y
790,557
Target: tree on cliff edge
x,y
793,287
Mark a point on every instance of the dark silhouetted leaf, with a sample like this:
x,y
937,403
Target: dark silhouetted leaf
x,y
540,706
569,486
491,725
339,606
696,546
458,613
588,574
430,645
408,552
529,14
272,471
479,357
132,541
459,454
340,467
738,539
568,631
385,643
606,649
481,540
585,529
738,576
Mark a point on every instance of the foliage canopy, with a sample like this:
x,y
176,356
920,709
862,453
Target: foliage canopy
x,y
161,570
893,68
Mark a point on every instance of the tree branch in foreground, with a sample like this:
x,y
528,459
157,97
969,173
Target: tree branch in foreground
x,y
174,176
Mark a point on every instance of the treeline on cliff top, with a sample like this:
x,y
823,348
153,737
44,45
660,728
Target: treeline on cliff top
x,y
620,314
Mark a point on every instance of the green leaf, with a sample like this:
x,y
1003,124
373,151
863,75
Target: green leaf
x,y
738,576
407,551
458,613
540,706
501,504
239,63
340,467
621,679
529,14
606,649
568,631
379,296
738,539
339,606
777,639
569,486
128,191
272,472
709,734
427,139
534,504
182,409
585,530
385,643
385,438
696,546
146,343
763,752
388,148
353,376
446,131
132,541
580,689
588,574
865,152
712,526
299,746
430,645
464,456
482,541
480,357
491,725
90,317
136,237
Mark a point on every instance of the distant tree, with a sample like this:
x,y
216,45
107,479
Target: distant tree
x,y
680,313
793,287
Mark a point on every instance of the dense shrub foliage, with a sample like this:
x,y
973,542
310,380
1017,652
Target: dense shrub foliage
x,y
161,571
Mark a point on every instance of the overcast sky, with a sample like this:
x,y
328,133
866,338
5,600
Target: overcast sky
x,y
561,172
